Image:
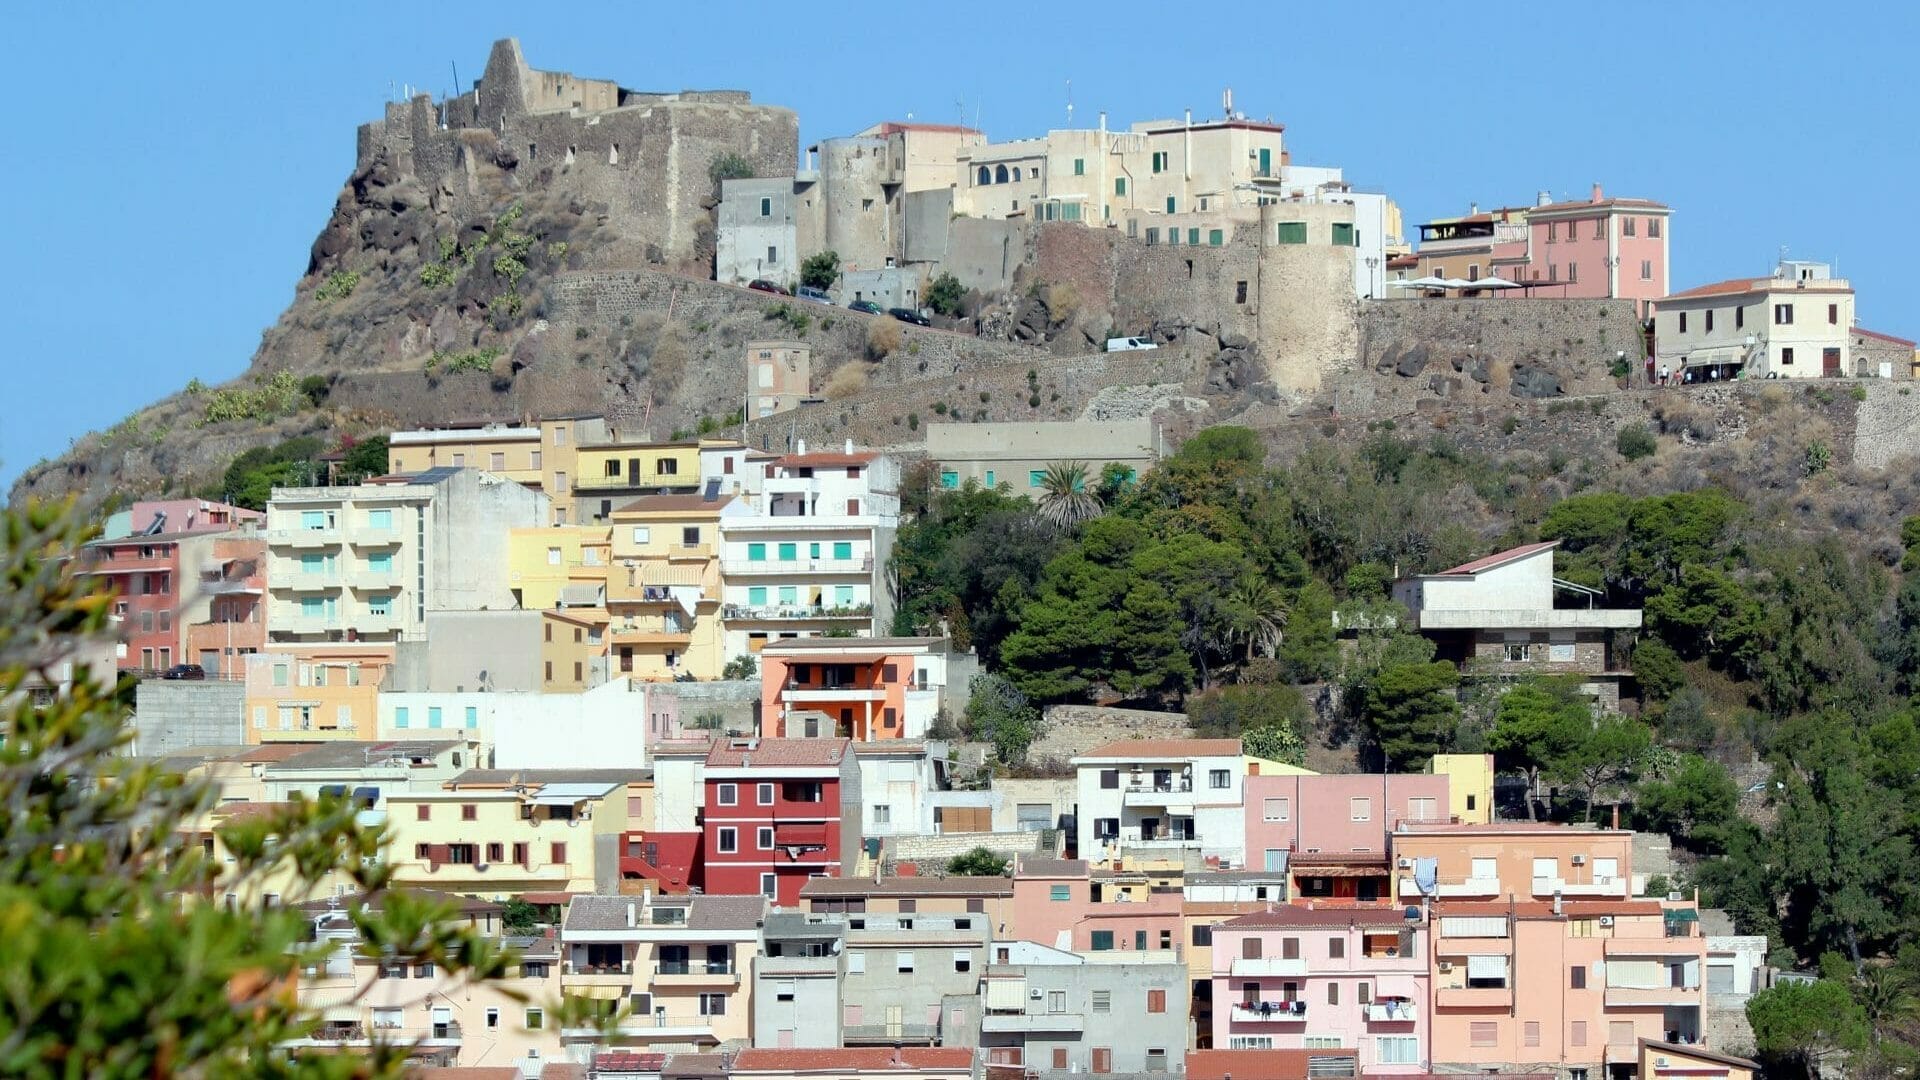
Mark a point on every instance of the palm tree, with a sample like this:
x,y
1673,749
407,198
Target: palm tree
x,y
1064,499
1260,615
1887,997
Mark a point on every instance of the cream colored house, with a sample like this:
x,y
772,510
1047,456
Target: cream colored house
x,y
663,589
678,968
1017,455
535,833
501,449
1797,324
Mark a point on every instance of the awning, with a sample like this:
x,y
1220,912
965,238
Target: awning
x,y
1683,915
597,993
800,835
341,1013
581,595
1338,871
568,794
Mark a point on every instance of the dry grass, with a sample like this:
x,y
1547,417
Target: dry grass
x,y
1680,415
883,338
846,381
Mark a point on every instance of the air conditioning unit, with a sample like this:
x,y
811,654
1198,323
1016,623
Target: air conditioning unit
x,y
310,972
1446,965
1659,1063
482,867
1035,994
1606,920
1405,863
1579,860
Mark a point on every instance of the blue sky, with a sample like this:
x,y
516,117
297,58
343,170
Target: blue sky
x,y
169,166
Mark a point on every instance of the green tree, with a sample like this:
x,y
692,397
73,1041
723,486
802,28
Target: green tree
x,y
1537,727
1805,1026
945,295
1267,719
520,917
1063,500
1413,712
1695,806
364,457
115,967
1275,742
1259,613
728,166
1635,442
999,713
1606,760
744,666
978,862
820,270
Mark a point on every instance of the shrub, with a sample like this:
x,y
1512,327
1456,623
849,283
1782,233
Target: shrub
x,y
1510,425
976,863
846,381
277,395
820,271
945,295
883,337
338,286
1859,392
1635,442
316,388
436,275
913,421
446,363
1819,457
741,667
729,166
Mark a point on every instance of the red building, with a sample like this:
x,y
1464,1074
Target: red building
x,y
777,812
156,571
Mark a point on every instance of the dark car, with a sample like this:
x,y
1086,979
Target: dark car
x,y
866,306
910,315
184,671
763,285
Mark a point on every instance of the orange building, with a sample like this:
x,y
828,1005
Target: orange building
x,y
851,688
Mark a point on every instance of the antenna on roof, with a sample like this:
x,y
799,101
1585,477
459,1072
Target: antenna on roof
x,y
1069,102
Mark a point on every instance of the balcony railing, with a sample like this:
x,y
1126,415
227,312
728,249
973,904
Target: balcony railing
x,y
1393,1010
1410,890
1270,1012
1652,995
1271,966
624,967
303,538
889,1032
772,612
742,567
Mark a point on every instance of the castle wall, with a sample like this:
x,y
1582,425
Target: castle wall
x,y
856,208
1308,318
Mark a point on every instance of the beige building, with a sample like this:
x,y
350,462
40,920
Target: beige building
x,y
925,153
501,449
1017,455
680,968
1797,324
535,833
315,692
779,376
663,591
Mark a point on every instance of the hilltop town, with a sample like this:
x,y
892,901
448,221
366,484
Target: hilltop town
x,y
1113,601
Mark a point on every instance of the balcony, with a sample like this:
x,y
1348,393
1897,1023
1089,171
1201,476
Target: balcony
x,y
620,974
370,539
889,1033
1473,997
649,484
807,695
1689,947
306,584
696,975
789,567
1466,887
1392,1011
1163,843
651,632
1272,967
1456,946
1643,996
796,612
1270,1012
1031,1023
1527,619
303,539
659,1025
1613,888
436,1036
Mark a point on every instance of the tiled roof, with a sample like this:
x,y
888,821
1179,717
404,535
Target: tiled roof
x,y
1864,332
884,747
467,1072
1254,1064
1300,859
694,1065
853,1059
1730,287
1042,868
564,1070
677,503
775,753
726,912
1497,558
241,811
1294,915
503,777
610,912
1142,749
823,458
1684,1050
907,886
627,1061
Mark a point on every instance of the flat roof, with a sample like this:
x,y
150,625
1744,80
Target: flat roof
x,y
1142,749
907,886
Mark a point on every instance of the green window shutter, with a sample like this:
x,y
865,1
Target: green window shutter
x,y
1103,941
1293,232
1193,237
1036,478
400,716
473,716
789,594
1170,204
1054,892
1266,161
757,596
1120,186
1215,237
813,550
950,480
843,596
1342,234
789,552
843,549
433,716
1079,166
989,478
756,553
380,519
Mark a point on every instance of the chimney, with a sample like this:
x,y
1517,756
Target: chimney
x,y
631,920
1596,191
1186,152
1545,198
849,446
799,446
1473,208
1556,901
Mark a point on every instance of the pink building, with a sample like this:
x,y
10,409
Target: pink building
x,y
1600,248
1304,976
1060,904
1512,862
1331,832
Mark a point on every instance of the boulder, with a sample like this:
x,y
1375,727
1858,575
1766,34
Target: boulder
x,y
1235,341
1534,382
1412,362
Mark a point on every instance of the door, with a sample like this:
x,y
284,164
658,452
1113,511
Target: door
x,y
1830,362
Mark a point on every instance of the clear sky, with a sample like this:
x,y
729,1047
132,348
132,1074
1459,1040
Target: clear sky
x,y
167,166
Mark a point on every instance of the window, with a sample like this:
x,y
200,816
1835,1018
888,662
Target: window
x,y
1739,317
1079,166
400,716
789,552
882,814
1173,235
1216,237
1360,809
1484,1033
1060,893
1626,226
1120,186
1156,1001
1653,227
1060,1058
473,716
1683,322
1343,234
1546,869
1646,269
433,716
1333,993
1239,292
495,852
558,853
727,840
763,794
903,961
1102,1059
642,534
769,885
1159,161
1102,941
756,596
536,1019
763,838
1219,779
949,479
379,519
1573,271
1577,977
1336,948
766,207
1396,1050
423,812
1553,232
713,1004
1833,314
1275,810
690,536
469,812
728,794
1578,1035
1783,314
1193,237
1292,232
1786,357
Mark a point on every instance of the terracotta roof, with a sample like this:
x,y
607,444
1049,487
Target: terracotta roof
x,y
829,458
854,1059
888,127
676,503
628,1061
1044,868
242,811
1497,558
1293,915
1297,860
1255,1064
907,886
467,1072
1165,748
775,753
695,1065
1730,287
565,1070
1683,1050
274,751
1864,332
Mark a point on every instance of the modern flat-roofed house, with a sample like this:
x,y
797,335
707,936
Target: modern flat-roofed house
x,y
1503,615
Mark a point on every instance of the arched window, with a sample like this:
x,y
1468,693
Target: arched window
x,y
985,176
1016,174
1000,175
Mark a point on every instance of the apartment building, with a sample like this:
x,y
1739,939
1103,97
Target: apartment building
x,y
777,812
1162,798
315,692
365,563
1211,898
1507,615
1017,456
1599,247
680,966
1057,1013
446,1021
1066,904
1797,324
1513,861
863,688
554,566
369,772
855,1063
663,587
797,980
541,834
505,450
1329,834
898,781
808,552
1271,1064
990,897
168,576
903,971
531,730
779,376
1314,978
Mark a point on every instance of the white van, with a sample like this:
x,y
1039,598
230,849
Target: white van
x,y
1129,344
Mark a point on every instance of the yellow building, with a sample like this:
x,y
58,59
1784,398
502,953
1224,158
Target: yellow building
x,y
590,468
663,590
1469,785
537,833
555,565
683,965
573,649
311,693
511,452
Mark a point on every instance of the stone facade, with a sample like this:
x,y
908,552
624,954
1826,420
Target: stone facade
x,y
1071,730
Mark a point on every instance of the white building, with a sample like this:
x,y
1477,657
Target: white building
x,y
898,779
534,730
1376,222
1796,324
1162,799
367,562
808,551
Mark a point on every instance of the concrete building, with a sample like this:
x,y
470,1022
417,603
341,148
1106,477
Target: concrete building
x,y
1161,799
171,716
1064,904
552,566
534,730
538,834
777,812
471,651
797,980
1271,1064
759,236
1314,977
446,1020
1060,1013
1330,834
779,376
900,972
1597,247
1797,324
167,576
505,450
864,689
663,589
1507,861
370,772
991,897
809,551
1018,455
1662,1060
855,1063
234,581
1499,616
1461,248
681,966
1377,229
898,781
1469,785
365,563
316,692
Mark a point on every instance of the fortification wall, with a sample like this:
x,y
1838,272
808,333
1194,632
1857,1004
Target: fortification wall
x,y
1071,730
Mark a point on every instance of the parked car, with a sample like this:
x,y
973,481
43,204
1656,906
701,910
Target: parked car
x,y
910,315
867,306
818,296
1129,344
763,285
184,671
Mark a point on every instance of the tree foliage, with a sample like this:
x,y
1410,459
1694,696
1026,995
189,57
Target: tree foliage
x,y
978,862
820,270
1538,728
945,294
